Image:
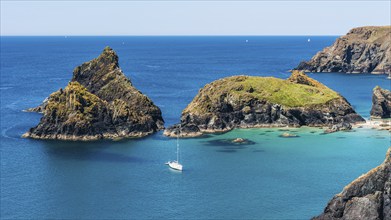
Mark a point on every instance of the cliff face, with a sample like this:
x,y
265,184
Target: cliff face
x,y
381,103
245,102
99,102
368,197
362,50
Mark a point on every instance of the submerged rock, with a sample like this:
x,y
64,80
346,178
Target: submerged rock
x,y
367,197
381,103
99,102
246,102
186,130
40,108
362,50
238,140
288,135
343,126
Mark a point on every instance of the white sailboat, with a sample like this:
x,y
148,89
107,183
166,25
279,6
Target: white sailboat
x,y
175,164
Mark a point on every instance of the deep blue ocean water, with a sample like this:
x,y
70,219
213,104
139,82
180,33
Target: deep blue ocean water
x,y
270,178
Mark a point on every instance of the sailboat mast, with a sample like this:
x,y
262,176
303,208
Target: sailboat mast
x,y
177,144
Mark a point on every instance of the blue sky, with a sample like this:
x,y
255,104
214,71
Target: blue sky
x,y
186,17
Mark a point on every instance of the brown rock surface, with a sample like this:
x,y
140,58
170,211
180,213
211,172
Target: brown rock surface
x,y
99,102
368,197
362,50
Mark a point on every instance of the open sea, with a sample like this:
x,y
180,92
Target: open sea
x,y
268,178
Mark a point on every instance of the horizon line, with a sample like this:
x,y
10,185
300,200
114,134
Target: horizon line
x,y
184,35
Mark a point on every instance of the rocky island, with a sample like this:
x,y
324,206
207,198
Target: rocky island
x,y
249,101
368,197
381,103
99,102
362,50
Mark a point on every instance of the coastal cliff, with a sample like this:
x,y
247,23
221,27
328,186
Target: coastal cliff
x,y
381,103
99,102
248,101
362,50
368,197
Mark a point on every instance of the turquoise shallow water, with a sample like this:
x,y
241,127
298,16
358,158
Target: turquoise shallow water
x,y
268,178
272,177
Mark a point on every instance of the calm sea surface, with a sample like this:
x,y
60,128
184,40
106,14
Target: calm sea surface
x,y
269,178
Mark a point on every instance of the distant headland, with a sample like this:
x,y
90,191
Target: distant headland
x,y
361,50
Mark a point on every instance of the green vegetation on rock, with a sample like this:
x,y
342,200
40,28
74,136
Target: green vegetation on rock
x,y
74,104
246,88
250,101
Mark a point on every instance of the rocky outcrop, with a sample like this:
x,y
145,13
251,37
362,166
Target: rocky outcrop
x,y
362,50
343,126
368,197
381,103
99,102
40,108
247,102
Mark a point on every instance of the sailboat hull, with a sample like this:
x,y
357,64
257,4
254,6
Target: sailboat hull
x,y
175,165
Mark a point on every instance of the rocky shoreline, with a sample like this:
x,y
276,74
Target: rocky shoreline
x,y
112,136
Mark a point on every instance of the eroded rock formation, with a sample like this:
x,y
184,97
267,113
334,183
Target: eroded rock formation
x,y
99,102
381,103
362,50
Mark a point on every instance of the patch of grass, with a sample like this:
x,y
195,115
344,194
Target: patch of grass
x,y
74,104
238,90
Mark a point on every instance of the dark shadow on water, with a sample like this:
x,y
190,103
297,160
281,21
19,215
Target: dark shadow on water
x,y
87,151
288,137
228,143
202,136
234,147
341,137
258,151
227,151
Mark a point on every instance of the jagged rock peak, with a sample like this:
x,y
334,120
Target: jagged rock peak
x,y
300,77
104,101
91,72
